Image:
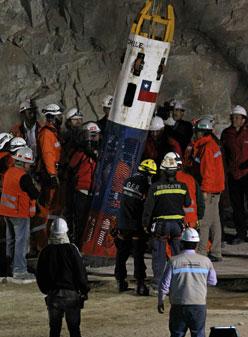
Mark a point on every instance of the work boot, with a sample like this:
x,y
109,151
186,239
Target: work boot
x,y
142,289
122,285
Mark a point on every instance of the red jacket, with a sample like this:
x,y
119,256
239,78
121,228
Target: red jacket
x,y
235,145
208,164
14,201
84,168
189,181
156,149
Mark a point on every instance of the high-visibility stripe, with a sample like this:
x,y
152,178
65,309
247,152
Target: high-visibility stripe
x,y
169,217
8,204
188,210
8,196
132,191
132,195
190,270
170,191
217,154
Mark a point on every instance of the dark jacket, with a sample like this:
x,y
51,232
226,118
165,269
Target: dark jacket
x,y
165,200
132,202
60,266
183,132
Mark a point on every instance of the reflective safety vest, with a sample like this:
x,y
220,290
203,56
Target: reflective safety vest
x,y
14,201
189,181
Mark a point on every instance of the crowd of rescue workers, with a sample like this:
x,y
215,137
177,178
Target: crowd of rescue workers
x,y
177,195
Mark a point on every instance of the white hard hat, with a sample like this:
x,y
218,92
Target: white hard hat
x,y
17,143
74,113
170,121
26,105
156,124
107,101
91,127
204,124
239,110
4,139
52,109
178,105
171,161
59,226
190,235
25,154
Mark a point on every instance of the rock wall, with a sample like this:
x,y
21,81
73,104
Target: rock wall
x,y
69,52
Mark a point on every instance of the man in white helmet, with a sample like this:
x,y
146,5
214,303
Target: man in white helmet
x,y
17,205
74,118
74,121
182,129
81,169
234,140
50,154
185,280
164,212
61,275
29,126
106,106
208,170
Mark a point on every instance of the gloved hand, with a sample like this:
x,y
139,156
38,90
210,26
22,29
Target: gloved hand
x,y
161,308
54,181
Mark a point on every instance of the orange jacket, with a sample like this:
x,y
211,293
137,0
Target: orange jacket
x,y
14,201
18,130
189,181
208,164
49,148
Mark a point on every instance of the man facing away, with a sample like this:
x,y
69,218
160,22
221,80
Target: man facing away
x,y
61,275
185,279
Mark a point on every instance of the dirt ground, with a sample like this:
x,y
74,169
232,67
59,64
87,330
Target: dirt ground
x,y
110,314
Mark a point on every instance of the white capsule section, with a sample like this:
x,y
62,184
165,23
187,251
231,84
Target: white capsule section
x,y
139,82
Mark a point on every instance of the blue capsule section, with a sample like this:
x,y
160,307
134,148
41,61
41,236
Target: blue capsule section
x,y
119,158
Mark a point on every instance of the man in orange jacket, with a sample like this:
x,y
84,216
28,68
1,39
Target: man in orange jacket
x,y
17,205
49,150
209,172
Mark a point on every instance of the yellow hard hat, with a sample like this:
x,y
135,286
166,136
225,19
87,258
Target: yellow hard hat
x,y
148,165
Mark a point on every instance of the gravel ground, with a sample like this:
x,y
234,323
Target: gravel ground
x,y
110,314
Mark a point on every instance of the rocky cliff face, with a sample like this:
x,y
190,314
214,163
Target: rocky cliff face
x,y
69,52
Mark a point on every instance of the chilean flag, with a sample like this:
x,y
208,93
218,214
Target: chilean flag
x,y
145,94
